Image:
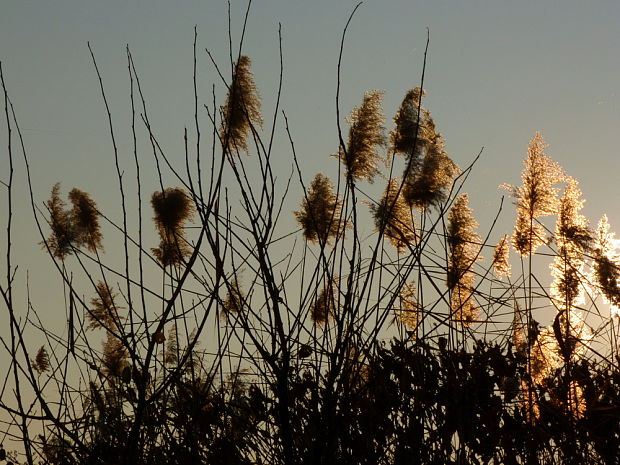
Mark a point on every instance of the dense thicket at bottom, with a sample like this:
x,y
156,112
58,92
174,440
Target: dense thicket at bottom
x,y
371,330
412,403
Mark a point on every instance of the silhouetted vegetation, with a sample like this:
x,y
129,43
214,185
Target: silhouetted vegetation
x,y
393,330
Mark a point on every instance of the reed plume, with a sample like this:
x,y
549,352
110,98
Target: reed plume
x,y
463,242
573,401
407,123
320,212
172,209
103,312
242,109
409,312
545,356
324,307
606,266
501,254
394,218
235,299
429,170
85,218
365,137
554,348
573,239
430,186
520,333
171,351
41,361
72,229
572,334
114,356
63,235
535,197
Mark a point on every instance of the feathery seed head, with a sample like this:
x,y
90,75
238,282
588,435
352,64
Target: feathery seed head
x,y
114,356
104,312
501,264
430,171
235,299
320,212
324,307
409,312
572,227
242,109
573,239
464,307
171,352
86,219
365,135
545,356
463,242
63,233
429,186
41,361
73,228
535,197
606,266
547,353
519,326
172,208
393,217
403,136
462,236
173,250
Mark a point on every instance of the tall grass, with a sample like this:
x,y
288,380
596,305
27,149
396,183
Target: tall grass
x,y
238,340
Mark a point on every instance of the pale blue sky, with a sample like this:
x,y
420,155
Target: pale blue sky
x,y
497,72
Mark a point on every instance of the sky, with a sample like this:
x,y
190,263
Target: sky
x,y
497,71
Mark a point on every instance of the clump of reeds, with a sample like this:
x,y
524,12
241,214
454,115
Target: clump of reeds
x,y
242,109
553,348
365,137
464,248
535,197
320,213
172,209
394,218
